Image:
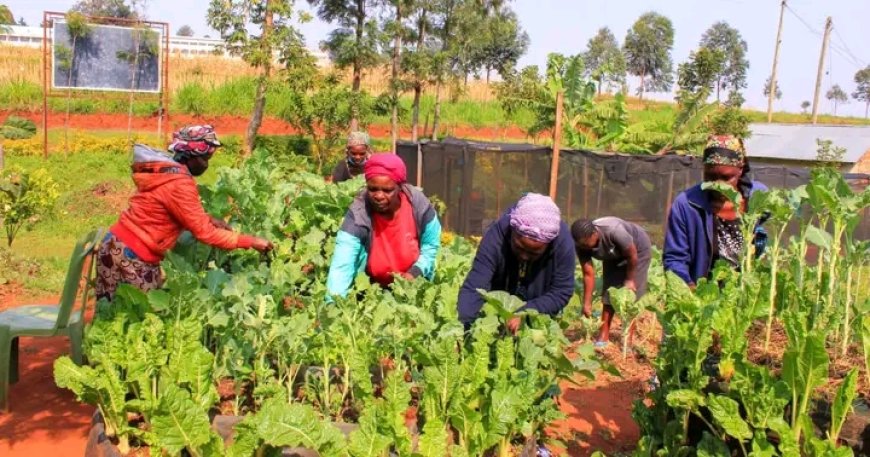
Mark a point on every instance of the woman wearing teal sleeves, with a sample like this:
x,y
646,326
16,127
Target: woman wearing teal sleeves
x,y
390,229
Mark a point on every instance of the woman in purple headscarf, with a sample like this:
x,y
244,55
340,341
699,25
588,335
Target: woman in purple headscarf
x,y
529,253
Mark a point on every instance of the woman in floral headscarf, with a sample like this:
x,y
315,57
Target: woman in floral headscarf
x,y
166,202
704,225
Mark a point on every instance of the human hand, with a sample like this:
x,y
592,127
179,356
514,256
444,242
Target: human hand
x,y
262,245
513,325
407,276
587,309
630,285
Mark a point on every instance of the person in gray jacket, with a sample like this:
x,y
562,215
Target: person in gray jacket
x,y
624,249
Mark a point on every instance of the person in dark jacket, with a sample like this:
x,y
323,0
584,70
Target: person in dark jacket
x,y
529,253
391,229
357,151
703,225
624,248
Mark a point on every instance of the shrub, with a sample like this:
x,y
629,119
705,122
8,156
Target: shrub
x,y
18,128
24,199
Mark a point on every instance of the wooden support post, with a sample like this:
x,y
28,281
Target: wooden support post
x,y
557,140
821,73
585,188
600,183
772,93
419,165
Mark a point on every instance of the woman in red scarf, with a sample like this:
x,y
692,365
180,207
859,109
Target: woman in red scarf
x,y
390,229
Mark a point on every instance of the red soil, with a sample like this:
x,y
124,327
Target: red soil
x,y
238,125
42,419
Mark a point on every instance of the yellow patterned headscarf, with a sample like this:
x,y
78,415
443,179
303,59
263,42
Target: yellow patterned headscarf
x,y
725,150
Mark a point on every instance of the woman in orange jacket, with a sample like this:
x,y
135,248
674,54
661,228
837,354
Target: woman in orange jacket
x,y
166,202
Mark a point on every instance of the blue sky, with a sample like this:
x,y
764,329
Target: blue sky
x,y
565,26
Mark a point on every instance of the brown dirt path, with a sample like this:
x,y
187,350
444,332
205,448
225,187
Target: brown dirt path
x,y
43,420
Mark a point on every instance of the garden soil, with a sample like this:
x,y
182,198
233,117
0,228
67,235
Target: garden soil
x,y
44,420
238,125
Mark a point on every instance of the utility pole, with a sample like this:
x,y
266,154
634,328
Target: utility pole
x,y
557,144
829,25
770,96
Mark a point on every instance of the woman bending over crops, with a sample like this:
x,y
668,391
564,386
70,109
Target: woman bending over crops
x,y
624,249
529,253
391,229
165,203
704,225
357,151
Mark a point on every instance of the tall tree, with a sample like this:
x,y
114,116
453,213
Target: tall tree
x,y
184,30
354,44
805,105
503,42
256,30
862,89
777,95
6,17
396,28
837,95
604,60
105,8
422,58
699,75
21,21
647,51
726,39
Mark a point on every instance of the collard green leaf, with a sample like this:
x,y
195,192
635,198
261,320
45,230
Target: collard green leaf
x,y
433,442
246,438
842,404
282,424
367,440
726,413
179,423
689,400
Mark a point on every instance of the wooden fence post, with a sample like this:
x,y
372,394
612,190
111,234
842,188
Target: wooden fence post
x,y
557,139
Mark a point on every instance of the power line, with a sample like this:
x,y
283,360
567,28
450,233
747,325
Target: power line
x,y
848,51
804,22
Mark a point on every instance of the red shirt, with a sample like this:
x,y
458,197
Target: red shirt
x,y
395,244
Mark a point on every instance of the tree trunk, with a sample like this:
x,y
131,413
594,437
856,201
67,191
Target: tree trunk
x,y
260,98
600,84
642,84
418,83
436,121
357,64
415,115
488,71
397,52
866,109
718,88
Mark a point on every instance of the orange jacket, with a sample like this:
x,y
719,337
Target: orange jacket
x,y
167,202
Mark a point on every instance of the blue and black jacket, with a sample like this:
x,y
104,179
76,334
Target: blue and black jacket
x,y
354,240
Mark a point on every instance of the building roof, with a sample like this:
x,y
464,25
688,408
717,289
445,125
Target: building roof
x,y
798,141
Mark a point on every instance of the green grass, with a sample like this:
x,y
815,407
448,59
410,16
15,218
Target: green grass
x,y
79,209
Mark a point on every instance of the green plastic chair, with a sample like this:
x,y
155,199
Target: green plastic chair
x,y
50,320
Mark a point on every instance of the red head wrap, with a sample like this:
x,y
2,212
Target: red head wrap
x,y
389,165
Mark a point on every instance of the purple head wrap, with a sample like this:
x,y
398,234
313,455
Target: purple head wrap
x,y
537,217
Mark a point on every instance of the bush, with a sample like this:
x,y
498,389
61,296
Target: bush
x,y
24,198
18,128
20,95
80,143
283,145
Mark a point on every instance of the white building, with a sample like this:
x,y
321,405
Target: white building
x,y
178,45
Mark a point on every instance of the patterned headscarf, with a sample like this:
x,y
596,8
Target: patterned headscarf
x,y
389,165
536,217
358,139
194,141
725,150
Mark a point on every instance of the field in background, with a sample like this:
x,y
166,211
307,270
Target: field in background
x,y
214,86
